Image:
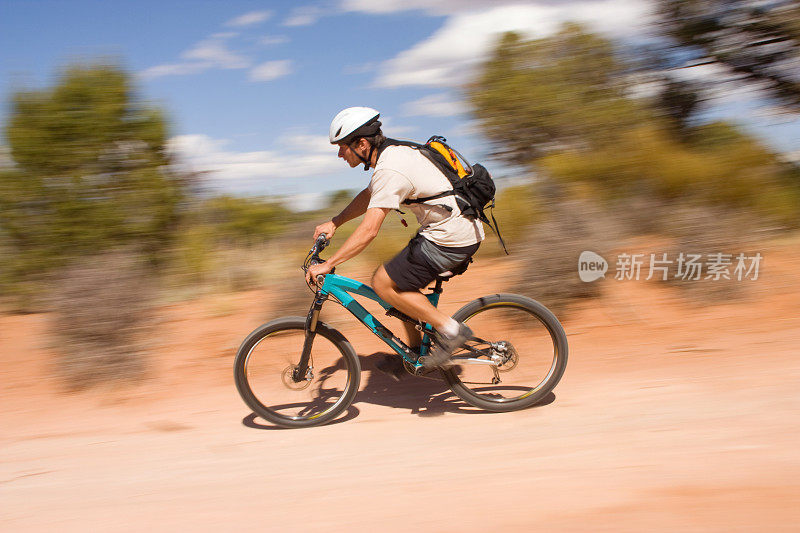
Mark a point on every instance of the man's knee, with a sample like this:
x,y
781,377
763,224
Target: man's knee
x,y
381,282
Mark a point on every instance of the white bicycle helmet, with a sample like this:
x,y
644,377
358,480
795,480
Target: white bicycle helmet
x,y
354,122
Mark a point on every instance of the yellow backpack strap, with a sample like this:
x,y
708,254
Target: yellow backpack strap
x,y
455,159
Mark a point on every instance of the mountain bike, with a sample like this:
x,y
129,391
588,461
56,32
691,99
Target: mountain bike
x,y
299,371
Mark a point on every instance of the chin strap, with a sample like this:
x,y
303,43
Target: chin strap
x,y
366,160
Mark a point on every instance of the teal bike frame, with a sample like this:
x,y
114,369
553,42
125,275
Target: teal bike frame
x,y
343,289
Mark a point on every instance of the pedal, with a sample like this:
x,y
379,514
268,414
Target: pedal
x,y
394,313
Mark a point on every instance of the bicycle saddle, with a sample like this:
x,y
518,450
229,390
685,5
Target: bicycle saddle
x,y
458,270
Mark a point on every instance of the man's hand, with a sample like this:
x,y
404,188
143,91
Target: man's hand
x,y
316,270
328,228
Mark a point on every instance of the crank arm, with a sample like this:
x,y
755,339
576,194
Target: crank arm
x,y
472,361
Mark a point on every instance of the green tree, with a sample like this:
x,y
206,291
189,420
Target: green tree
x,y
245,221
757,40
90,172
547,95
569,107
677,102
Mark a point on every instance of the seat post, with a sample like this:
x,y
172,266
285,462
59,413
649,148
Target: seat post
x,y
438,287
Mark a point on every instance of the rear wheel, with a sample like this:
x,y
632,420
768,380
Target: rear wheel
x,y
517,357
264,373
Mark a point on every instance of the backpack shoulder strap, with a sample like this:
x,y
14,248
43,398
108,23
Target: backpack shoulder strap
x,y
430,153
396,142
451,192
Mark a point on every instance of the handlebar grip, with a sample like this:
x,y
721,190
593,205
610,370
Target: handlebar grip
x,y
320,243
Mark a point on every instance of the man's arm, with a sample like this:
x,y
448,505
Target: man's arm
x,y
354,209
361,237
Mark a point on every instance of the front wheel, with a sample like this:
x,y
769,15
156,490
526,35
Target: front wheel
x,y
516,358
265,375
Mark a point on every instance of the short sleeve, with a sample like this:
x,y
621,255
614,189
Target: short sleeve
x,y
388,189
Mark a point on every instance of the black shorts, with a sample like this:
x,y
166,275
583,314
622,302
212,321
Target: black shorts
x,y
418,264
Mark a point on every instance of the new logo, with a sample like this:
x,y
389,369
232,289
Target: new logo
x,y
591,266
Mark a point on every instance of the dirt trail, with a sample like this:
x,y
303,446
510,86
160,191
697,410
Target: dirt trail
x,y
669,417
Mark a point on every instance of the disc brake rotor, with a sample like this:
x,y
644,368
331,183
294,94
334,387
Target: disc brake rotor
x,y
511,357
289,383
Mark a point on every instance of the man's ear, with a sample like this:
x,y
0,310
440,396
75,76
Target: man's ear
x,y
362,145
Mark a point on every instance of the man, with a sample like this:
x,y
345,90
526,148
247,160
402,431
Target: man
x,y
445,240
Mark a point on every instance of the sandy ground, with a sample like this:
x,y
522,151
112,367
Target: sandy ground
x,y
669,417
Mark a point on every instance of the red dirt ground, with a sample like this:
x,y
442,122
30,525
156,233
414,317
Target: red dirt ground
x,y
669,417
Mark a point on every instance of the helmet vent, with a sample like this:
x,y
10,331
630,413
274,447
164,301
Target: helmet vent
x,y
339,131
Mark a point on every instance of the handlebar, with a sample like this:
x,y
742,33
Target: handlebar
x,y
320,244
313,255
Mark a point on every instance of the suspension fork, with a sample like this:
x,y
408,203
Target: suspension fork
x,y
312,319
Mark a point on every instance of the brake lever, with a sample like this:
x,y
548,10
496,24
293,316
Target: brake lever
x,y
321,277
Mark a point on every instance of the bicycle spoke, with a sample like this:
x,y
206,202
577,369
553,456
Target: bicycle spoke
x,y
512,355
270,366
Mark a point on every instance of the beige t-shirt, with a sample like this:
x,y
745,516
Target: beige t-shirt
x,y
404,173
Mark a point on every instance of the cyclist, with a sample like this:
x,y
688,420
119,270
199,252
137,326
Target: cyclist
x,y
445,241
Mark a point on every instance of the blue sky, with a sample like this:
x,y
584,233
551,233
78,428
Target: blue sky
x,y
251,86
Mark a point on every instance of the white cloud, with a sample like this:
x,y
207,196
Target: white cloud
x,y
434,105
305,15
723,85
209,53
318,144
215,53
432,7
268,40
449,56
271,70
225,35
173,69
362,68
392,129
248,19
302,156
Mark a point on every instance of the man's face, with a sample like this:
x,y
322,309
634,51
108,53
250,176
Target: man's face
x,y
347,152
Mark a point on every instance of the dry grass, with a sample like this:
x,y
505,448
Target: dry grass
x,y
705,231
101,315
549,256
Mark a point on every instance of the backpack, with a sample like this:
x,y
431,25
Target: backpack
x,y
473,186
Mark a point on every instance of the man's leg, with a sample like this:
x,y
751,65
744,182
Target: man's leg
x,y
412,269
413,336
416,305
413,303
391,365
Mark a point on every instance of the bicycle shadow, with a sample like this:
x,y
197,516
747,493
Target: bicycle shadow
x,y
251,422
423,396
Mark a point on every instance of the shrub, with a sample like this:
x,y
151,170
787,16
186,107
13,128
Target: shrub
x,y
549,268
245,221
101,314
706,230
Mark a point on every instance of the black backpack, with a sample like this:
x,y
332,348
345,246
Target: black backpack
x,y
473,186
